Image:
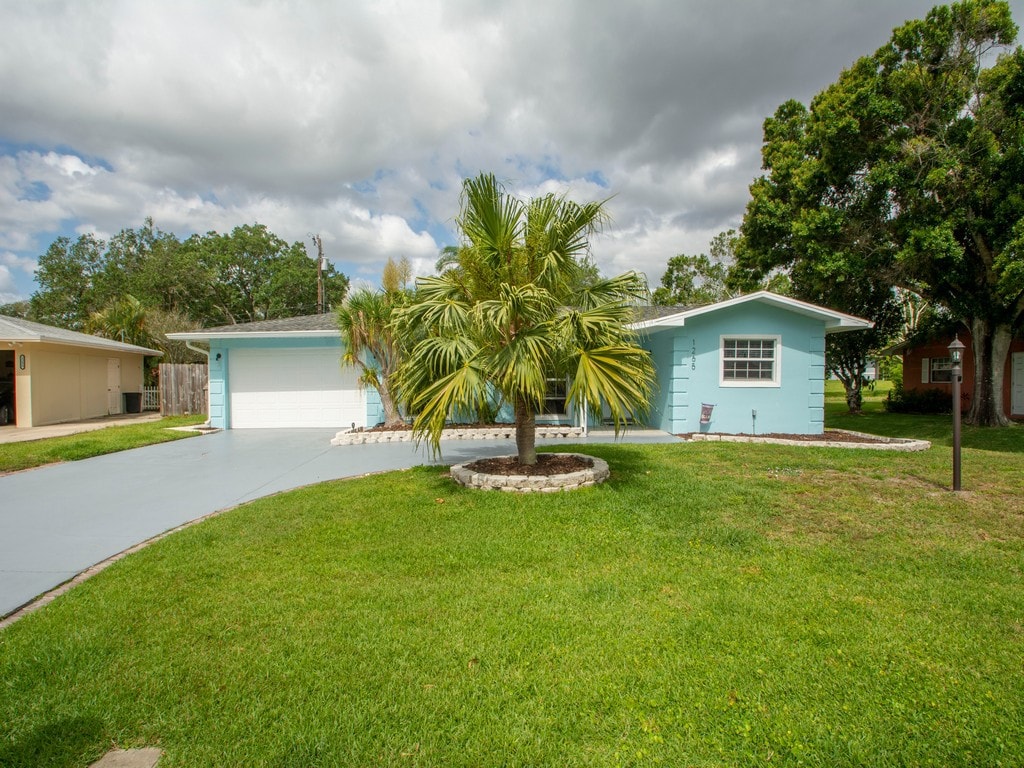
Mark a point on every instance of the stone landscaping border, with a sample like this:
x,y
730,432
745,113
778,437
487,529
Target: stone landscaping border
x,y
871,442
362,437
598,472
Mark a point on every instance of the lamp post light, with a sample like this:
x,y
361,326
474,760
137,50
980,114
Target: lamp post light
x,y
956,349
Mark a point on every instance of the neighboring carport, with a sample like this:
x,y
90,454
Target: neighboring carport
x,y
52,375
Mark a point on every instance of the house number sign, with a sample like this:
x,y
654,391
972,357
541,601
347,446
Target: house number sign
x,y
693,356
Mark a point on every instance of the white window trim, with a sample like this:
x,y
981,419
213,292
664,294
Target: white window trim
x,y
776,380
549,397
932,370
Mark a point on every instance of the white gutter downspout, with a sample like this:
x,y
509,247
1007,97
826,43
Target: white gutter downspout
x,y
200,350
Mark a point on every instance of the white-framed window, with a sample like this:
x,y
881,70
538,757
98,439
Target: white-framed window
x,y
557,394
941,370
750,361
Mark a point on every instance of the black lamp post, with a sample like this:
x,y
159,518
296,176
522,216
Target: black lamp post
x,y
956,349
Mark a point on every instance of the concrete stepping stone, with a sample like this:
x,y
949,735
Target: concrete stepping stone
x,y
129,758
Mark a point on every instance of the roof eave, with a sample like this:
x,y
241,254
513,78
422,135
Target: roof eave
x,y
672,321
848,323
835,322
113,347
207,336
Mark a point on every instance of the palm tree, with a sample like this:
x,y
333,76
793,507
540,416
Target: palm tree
x,y
123,319
365,322
508,312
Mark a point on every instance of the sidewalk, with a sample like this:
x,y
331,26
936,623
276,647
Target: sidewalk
x,y
12,434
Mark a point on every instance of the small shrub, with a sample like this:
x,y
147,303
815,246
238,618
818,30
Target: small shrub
x,y
929,401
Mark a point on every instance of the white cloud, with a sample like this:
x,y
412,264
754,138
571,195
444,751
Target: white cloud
x,y
68,165
359,120
8,289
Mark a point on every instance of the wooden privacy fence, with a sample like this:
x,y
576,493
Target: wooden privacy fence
x,y
182,389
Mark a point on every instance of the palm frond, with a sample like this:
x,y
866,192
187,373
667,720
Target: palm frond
x,y
629,288
464,388
521,367
441,306
619,377
491,220
515,307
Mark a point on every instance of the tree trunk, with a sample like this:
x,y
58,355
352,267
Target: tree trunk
x,y
850,371
990,344
526,433
392,417
854,393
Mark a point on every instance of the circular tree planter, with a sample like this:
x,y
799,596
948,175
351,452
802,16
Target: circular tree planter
x,y
596,472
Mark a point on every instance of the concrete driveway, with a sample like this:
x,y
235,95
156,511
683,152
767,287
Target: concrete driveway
x,y
57,521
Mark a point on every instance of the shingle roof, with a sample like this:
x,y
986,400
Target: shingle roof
x,y
648,313
677,316
647,317
310,325
327,325
15,329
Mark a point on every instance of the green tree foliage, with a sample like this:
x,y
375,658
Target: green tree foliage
x,y
212,279
71,284
126,320
164,321
164,274
504,316
374,341
716,276
691,281
123,320
700,279
910,169
15,309
258,276
846,354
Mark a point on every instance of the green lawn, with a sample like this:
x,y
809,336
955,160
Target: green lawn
x,y
711,605
35,453
938,429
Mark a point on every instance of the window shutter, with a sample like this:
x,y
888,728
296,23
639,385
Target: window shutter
x,y
926,365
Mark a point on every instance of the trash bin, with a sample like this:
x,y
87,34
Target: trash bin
x,y
133,402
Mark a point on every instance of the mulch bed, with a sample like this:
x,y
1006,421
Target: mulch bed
x,y
547,464
827,437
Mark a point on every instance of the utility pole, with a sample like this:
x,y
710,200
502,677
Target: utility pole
x,y
320,303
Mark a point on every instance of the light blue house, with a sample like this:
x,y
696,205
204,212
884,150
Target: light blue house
x,y
751,364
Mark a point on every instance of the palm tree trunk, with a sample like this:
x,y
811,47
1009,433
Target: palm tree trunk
x,y
392,416
526,433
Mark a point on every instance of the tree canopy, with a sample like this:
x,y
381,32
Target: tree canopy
x,y
691,280
910,168
510,313
208,280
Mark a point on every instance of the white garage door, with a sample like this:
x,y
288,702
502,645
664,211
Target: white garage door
x,y
293,388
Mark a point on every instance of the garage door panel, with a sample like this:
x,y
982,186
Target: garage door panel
x,y
294,388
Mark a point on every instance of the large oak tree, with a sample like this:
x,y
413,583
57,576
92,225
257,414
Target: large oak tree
x,y
911,168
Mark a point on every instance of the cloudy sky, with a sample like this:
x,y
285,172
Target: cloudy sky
x,y
358,120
